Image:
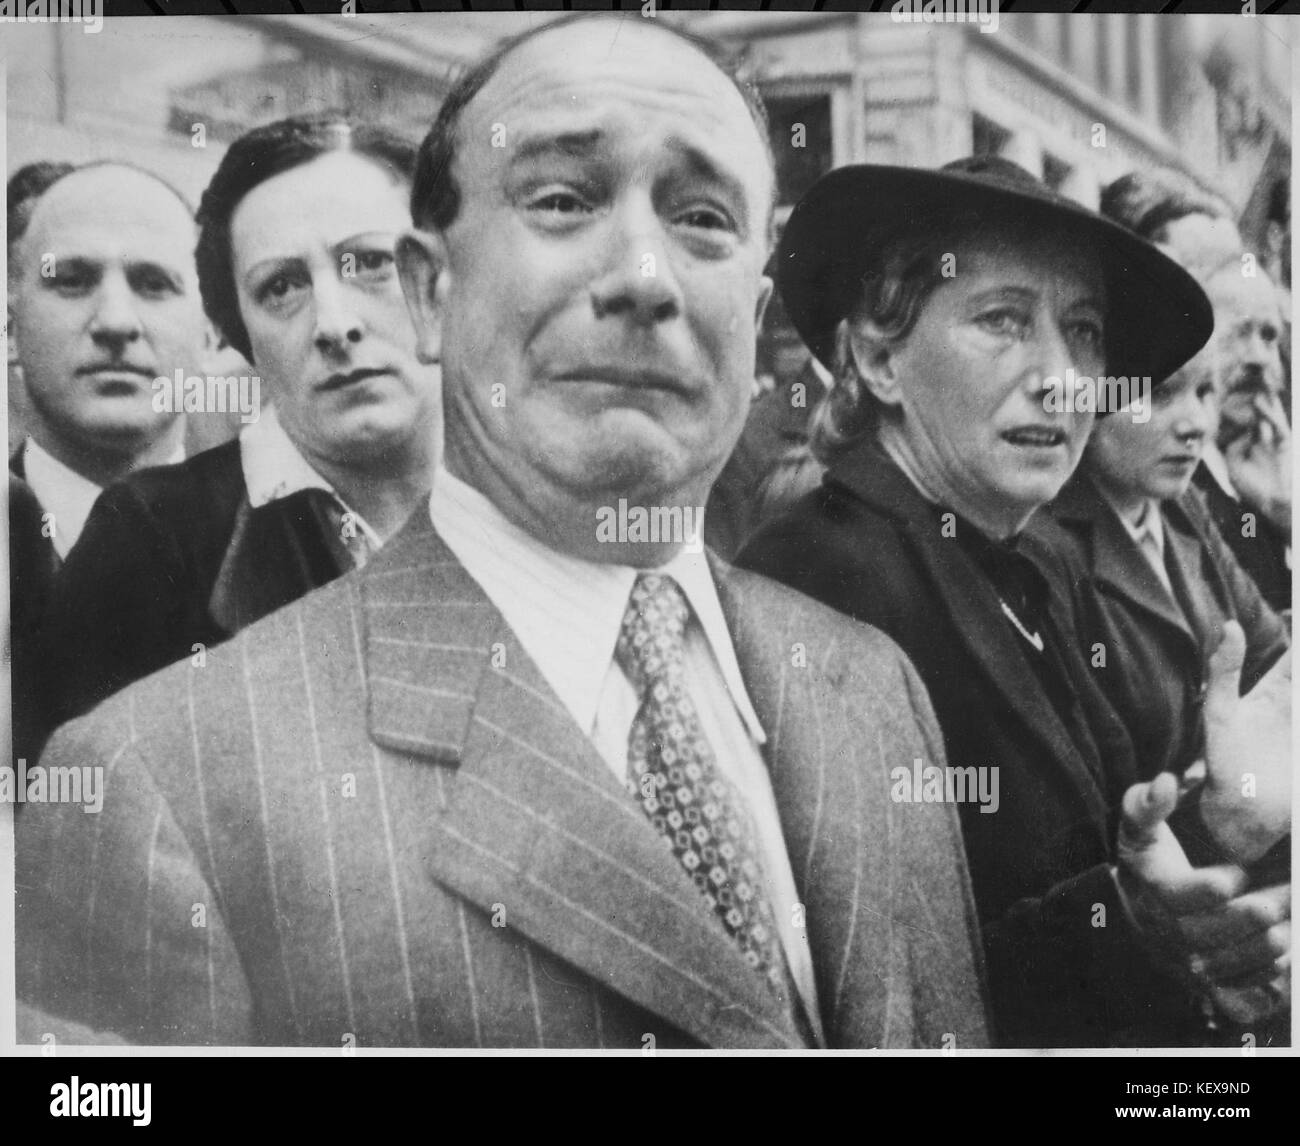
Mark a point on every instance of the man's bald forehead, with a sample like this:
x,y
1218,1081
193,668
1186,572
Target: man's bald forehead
x,y
435,196
605,34
104,184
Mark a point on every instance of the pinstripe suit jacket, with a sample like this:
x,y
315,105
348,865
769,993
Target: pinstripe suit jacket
x,y
369,817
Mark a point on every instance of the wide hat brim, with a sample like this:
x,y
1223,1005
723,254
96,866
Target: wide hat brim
x,y
1157,318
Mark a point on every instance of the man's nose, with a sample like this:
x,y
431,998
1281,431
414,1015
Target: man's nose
x,y
337,322
638,278
116,319
1250,376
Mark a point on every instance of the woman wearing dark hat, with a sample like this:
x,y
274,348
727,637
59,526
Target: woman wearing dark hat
x,y
297,232
946,303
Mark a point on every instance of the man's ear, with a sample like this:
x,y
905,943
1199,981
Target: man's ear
x,y
422,268
874,360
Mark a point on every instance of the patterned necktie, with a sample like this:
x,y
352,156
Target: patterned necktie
x,y
673,772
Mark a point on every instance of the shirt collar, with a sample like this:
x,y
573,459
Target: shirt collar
x,y
65,493
1143,521
567,612
274,468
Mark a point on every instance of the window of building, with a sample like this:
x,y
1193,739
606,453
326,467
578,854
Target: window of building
x,y
1133,60
800,131
987,138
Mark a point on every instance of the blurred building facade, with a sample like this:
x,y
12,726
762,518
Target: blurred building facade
x,y
1079,99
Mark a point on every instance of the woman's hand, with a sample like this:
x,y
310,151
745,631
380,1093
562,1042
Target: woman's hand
x,y
1246,801
1231,945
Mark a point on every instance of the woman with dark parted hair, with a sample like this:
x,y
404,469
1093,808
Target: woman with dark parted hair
x,y
296,266
946,303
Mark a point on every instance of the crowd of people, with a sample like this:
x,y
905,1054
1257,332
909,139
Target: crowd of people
x,y
398,747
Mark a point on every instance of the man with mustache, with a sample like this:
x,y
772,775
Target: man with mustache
x,y
103,299
1246,474
513,784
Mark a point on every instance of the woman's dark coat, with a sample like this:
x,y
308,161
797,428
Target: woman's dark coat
x,y
1065,965
1150,651
175,557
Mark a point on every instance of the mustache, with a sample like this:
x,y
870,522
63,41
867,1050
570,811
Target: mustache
x,y
1248,379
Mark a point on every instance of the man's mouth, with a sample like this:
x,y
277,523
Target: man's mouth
x,y
1246,385
351,378
627,378
1042,437
116,378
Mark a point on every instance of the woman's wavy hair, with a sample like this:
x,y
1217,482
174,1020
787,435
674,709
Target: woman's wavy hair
x,y
258,156
905,265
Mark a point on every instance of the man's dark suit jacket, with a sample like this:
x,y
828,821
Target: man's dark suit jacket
x,y
392,831
1262,554
171,557
33,564
869,545
1156,648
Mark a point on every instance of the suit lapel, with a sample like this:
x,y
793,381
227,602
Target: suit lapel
x,y
1196,579
824,802
524,814
1116,561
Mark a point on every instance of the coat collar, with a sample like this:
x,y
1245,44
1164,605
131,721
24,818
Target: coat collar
x,y
973,611
527,816
276,553
1114,560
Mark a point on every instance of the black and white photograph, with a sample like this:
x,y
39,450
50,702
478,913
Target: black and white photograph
x,y
643,530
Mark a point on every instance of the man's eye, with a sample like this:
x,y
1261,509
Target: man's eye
x,y
74,281
152,284
559,203
706,218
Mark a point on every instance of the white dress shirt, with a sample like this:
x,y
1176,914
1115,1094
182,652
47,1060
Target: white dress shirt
x,y
567,614
64,493
274,468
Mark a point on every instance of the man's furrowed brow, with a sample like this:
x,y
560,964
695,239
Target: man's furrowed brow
x,y
704,167
565,144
